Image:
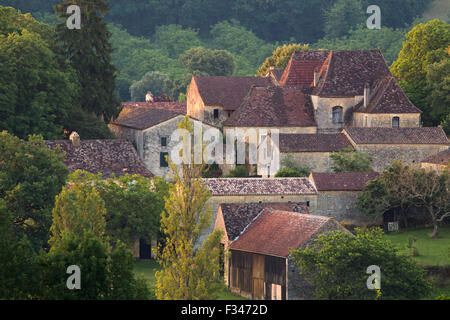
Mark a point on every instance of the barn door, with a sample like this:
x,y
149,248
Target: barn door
x,y
258,277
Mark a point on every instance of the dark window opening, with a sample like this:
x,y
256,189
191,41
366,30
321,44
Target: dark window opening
x,y
216,113
163,142
307,203
337,115
395,122
162,159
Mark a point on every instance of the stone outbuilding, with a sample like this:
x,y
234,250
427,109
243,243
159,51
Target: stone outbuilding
x,y
385,145
337,193
260,266
438,162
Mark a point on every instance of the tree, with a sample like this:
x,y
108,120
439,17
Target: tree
x,y
425,45
190,270
36,93
78,209
337,262
349,160
31,175
438,80
239,171
342,17
152,81
291,168
403,187
88,51
280,57
175,40
200,61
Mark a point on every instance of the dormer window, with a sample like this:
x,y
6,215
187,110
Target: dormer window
x,y
395,122
337,115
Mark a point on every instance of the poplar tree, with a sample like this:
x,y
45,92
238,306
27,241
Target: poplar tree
x,y
189,271
88,50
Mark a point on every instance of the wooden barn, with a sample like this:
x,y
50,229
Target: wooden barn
x,y
260,266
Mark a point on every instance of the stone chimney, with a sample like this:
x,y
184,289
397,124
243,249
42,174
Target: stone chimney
x,y
366,95
149,97
316,77
75,138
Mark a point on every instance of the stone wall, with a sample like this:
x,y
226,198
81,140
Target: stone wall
x,y
384,154
439,168
407,120
323,112
316,161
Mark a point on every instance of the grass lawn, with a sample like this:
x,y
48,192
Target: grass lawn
x,y
431,252
147,269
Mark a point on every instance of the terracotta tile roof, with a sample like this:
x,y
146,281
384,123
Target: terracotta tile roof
x,y
345,73
142,118
313,142
300,68
387,97
259,186
105,156
274,107
441,158
342,181
227,92
173,106
275,231
238,216
425,135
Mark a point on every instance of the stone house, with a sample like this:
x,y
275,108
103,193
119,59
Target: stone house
x,y
233,219
214,99
109,157
337,193
385,145
438,162
307,150
150,130
260,266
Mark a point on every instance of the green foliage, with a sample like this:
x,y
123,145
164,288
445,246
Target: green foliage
x,y
239,171
200,61
426,44
446,124
438,80
337,263
31,176
175,40
188,273
342,17
88,52
349,160
288,172
152,81
280,57
212,171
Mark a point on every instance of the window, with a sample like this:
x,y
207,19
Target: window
x,y
162,159
395,122
163,141
337,114
216,113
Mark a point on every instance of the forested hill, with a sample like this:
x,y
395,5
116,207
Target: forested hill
x,y
271,20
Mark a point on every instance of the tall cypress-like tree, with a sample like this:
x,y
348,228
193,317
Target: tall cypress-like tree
x,y
88,50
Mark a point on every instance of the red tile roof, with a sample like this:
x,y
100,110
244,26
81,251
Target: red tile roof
x,y
345,73
300,68
142,118
425,135
238,216
342,181
387,97
105,156
313,142
259,186
227,92
274,107
275,231
441,158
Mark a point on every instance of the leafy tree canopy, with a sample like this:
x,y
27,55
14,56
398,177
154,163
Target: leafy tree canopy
x,y
349,160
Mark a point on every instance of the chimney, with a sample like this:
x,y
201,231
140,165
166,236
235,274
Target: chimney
x,y
75,138
316,77
366,95
149,97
